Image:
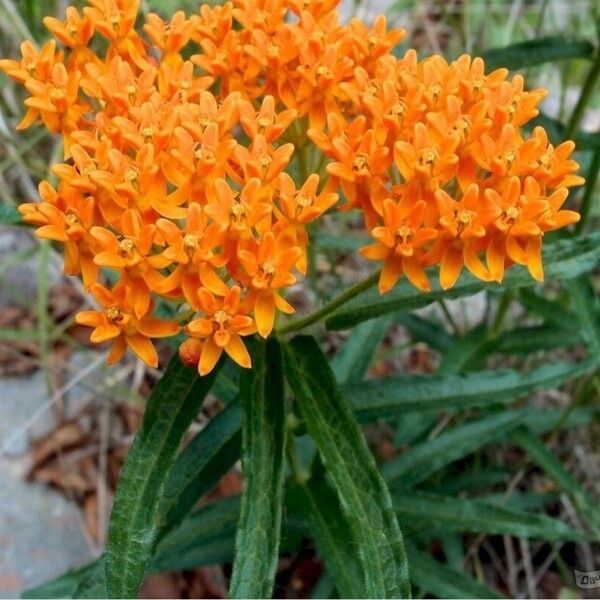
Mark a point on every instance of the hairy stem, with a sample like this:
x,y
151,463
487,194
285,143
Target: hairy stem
x,y
332,305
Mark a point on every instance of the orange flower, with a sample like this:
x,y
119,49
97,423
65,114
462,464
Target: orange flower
x,y
195,250
267,264
401,242
519,236
180,174
118,323
221,328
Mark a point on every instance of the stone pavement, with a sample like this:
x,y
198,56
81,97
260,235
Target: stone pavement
x,y
41,533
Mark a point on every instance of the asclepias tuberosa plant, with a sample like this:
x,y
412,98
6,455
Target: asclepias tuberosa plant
x,y
199,154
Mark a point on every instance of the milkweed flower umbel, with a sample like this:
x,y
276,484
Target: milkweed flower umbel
x,y
194,179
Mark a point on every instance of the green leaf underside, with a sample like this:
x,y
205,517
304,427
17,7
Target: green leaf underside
x,y
395,396
318,505
563,260
424,510
133,529
536,52
263,443
363,495
210,454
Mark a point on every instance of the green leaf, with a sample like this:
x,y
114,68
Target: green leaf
x,y
263,442
557,132
210,454
553,312
522,501
585,305
425,458
9,215
420,509
354,358
206,537
395,396
536,52
87,582
439,579
363,495
527,340
317,503
467,351
563,260
172,406
585,504
423,330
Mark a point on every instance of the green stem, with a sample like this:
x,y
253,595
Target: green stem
x,y
330,306
588,194
449,316
496,328
584,98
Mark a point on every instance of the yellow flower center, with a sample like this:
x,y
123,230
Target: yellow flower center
x,y
398,109
190,241
71,218
268,267
303,201
428,157
512,213
325,72
404,234
464,217
148,133
126,247
238,211
264,122
204,154
221,318
360,165
114,314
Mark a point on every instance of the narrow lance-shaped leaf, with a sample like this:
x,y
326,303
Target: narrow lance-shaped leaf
x,y
585,503
318,504
563,260
352,361
425,458
461,514
133,528
436,578
395,396
263,442
210,454
536,52
363,495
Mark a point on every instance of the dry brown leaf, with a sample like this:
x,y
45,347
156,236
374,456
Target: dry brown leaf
x,y
65,436
69,481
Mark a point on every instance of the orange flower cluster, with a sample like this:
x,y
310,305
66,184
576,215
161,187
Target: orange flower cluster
x,y
175,176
